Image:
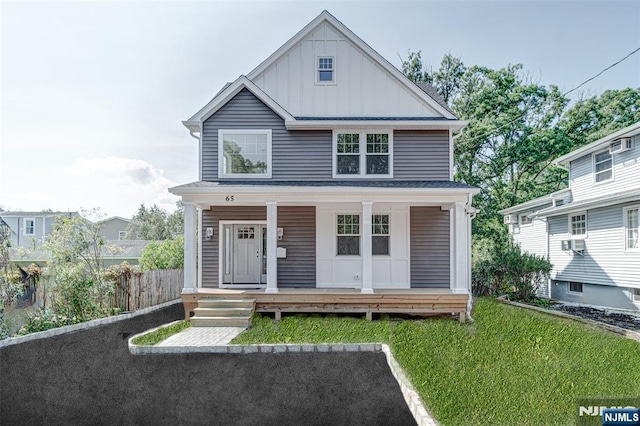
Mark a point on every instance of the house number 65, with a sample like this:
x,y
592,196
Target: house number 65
x,y
229,198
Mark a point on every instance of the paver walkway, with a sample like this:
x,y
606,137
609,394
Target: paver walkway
x,y
203,336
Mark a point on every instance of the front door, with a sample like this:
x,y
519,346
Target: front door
x,y
247,256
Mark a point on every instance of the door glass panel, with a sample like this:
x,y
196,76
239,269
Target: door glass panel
x,y
227,251
264,251
246,232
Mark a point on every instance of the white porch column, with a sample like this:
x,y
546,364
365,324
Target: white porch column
x,y
190,279
367,258
460,256
272,246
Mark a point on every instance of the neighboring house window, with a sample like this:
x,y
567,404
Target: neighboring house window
x,y
244,153
575,287
578,224
380,234
632,228
363,154
635,293
325,69
603,166
348,234
122,235
525,219
29,226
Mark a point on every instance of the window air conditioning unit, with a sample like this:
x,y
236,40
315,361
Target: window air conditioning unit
x,y
620,145
566,245
511,219
577,245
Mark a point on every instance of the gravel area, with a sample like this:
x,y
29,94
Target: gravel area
x,y
629,322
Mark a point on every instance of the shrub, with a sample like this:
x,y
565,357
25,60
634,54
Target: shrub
x,y
45,319
168,254
503,268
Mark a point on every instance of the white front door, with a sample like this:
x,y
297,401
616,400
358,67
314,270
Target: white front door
x,y
247,258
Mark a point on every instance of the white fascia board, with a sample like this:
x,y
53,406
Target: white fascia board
x,y
242,82
587,205
454,125
325,16
628,131
535,202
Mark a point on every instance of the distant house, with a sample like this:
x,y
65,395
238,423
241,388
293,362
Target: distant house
x,y
29,229
114,228
590,231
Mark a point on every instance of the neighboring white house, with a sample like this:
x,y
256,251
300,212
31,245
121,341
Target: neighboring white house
x,y
29,229
590,231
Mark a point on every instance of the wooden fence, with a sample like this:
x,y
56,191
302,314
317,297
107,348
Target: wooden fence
x,y
137,291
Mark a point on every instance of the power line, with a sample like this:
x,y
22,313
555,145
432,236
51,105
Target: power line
x,y
564,94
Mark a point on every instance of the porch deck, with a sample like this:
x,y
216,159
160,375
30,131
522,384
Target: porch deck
x,y
415,301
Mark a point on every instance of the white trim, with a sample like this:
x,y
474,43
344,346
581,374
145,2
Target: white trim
x,y
222,174
199,242
350,124
451,153
586,222
367,246
221,225
625,228
333,81
595,173
349,35
24,226
526,215
362,153
189,249
336,235
272,247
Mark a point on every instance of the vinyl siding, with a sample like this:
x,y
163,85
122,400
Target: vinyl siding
x,y
421,155
626,169
429,247
299,267
532,238
296,155
605,261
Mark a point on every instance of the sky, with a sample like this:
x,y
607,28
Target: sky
x,y
92,94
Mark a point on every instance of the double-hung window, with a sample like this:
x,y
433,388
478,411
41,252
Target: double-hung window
x,y
602,166
325,69
244,153
348,234
632,228
380,234
363,154
30,227
578,224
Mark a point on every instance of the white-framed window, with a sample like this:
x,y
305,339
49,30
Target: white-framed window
x,y
635,294
575,287
326,69
380,234
631,228
244,153
524,219
602,166
122,235
578,224
363,154
30,226
348,235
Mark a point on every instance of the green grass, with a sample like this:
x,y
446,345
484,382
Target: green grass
x,y
161,334
511,366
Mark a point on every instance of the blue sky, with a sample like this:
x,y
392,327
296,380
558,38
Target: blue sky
x,y
92,93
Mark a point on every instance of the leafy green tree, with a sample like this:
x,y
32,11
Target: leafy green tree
x,y
154,223
167,254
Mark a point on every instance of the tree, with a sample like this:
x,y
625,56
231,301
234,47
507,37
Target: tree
x,y
167,254
154,223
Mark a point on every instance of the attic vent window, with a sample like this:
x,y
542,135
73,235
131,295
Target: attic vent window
x,y
325,69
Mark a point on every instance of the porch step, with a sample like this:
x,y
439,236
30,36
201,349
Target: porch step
x,y
235,321
220,312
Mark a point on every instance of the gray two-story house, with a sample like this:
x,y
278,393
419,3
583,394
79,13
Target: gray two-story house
x,y
590,231
28,230
326,170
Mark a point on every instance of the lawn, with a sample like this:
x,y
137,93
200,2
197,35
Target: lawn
x,y
161,334
511,366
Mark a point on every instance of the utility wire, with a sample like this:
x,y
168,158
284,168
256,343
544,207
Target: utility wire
x,y
564,94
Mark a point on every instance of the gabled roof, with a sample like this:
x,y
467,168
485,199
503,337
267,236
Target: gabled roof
x,y
40,213
592,203
601,143
226,94
114,217
325,16
536,202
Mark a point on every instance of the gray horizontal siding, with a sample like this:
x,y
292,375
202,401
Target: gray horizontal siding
x,y
421,155
297,155
211,218
429,247
298,269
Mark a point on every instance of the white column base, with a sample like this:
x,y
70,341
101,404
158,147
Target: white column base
x,y
367,291
189,290
271,290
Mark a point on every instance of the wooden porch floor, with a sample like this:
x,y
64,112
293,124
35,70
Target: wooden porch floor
x,y
403,301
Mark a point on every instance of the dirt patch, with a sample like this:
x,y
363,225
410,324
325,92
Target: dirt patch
x,y
629,322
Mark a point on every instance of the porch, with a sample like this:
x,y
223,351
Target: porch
x,y
415,301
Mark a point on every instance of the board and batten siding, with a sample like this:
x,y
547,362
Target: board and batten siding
x,y
296,155
605,260
298,269
626,173
362,87
421,155
430,260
